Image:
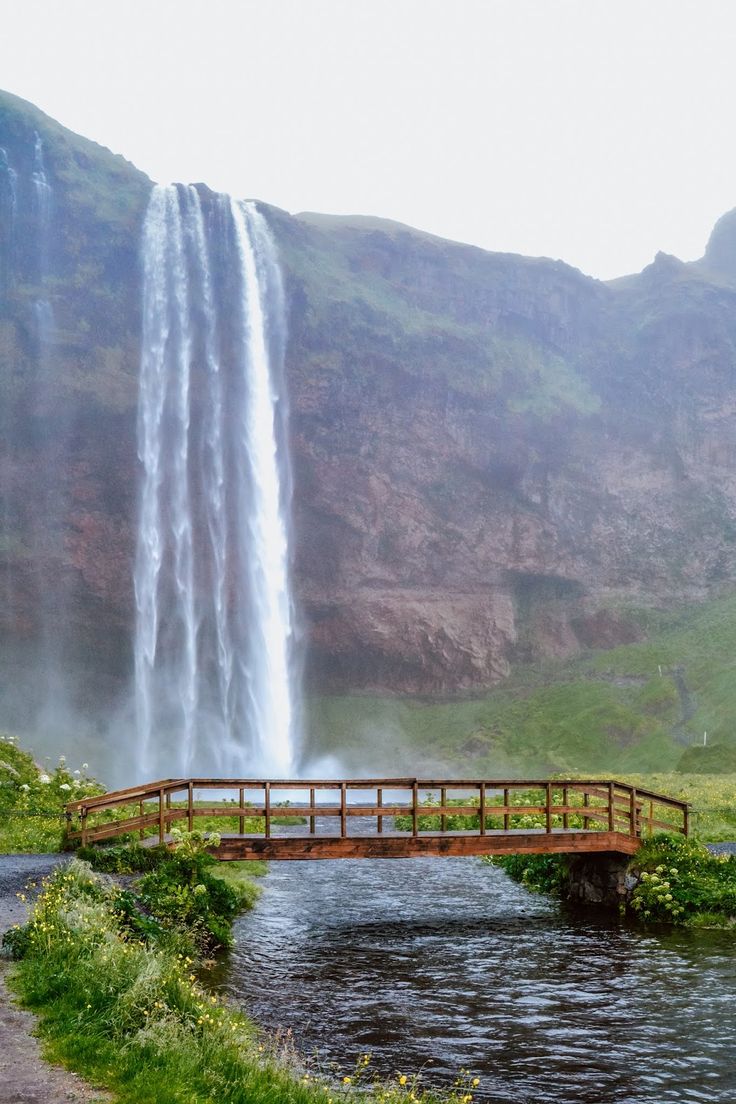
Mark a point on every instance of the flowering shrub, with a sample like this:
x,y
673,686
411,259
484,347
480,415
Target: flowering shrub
x,y
32,799
681,881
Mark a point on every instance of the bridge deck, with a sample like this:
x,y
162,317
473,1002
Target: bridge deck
x,y
486,816
400,845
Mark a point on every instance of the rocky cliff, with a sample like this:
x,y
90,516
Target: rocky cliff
x,y
496,458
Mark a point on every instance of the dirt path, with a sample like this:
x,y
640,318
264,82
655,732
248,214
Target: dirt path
x,y
25,1078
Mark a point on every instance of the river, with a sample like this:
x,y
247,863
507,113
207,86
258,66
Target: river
x,y
447,964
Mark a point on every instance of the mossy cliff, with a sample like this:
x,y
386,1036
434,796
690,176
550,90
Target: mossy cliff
x,y
496,458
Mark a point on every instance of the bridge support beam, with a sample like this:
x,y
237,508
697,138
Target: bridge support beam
x,y
597,879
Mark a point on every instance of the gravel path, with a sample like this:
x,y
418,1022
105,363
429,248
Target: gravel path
x,y
25,1078
727,848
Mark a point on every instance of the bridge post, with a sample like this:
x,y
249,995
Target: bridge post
x,y
611,809
482,807
443,802
597,879
241,824
312,799
414,808
343,810
633,827
267,808
379,802
548,810
161,829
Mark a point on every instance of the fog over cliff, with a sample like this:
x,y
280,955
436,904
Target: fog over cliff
x,y
496,459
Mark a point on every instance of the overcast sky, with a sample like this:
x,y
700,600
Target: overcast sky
x,y
598,131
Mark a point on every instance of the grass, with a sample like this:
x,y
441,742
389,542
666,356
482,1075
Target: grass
x,y
123,1007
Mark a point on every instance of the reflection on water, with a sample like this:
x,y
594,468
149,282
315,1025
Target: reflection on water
x,y
446,963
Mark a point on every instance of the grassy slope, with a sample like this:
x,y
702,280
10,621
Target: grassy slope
x,y
604,711
365,303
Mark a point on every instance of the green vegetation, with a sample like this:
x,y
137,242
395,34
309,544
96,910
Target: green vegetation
x,y
32,799
352,274
681,882
539,873
119,1000
676,881
605,711
181,890
712,799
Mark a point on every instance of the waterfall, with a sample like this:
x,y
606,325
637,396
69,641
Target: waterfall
x,y
214,639
42,196
8,215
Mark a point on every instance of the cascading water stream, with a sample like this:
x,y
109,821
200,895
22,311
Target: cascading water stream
x,y
214,642
42,197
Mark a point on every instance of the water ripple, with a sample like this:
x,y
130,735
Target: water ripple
x,y
444,963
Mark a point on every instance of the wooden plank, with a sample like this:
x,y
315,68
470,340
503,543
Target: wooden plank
x,y
666,824
392,846
131,794
611,808
118,828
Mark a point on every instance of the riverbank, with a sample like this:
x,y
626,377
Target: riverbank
x,y
25,1076
114,974
670,880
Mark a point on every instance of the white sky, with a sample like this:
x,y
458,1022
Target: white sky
x,y
598,131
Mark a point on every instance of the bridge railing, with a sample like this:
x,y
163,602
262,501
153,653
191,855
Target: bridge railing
x,y
413,806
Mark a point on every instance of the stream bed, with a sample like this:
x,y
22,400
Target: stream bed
x,y
446,964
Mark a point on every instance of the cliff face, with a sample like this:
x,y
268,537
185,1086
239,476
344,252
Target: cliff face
x,y
495,457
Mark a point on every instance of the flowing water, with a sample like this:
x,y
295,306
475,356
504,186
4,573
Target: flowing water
x,y
214,640
446,964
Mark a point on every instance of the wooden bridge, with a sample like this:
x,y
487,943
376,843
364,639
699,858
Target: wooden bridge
x,y
383,817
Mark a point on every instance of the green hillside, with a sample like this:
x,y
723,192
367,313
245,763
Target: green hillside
x,y
604,711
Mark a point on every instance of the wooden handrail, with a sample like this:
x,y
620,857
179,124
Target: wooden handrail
x,y
618,805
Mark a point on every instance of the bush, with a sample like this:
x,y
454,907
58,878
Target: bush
x,y
180,891
680,881
540,873
716,759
